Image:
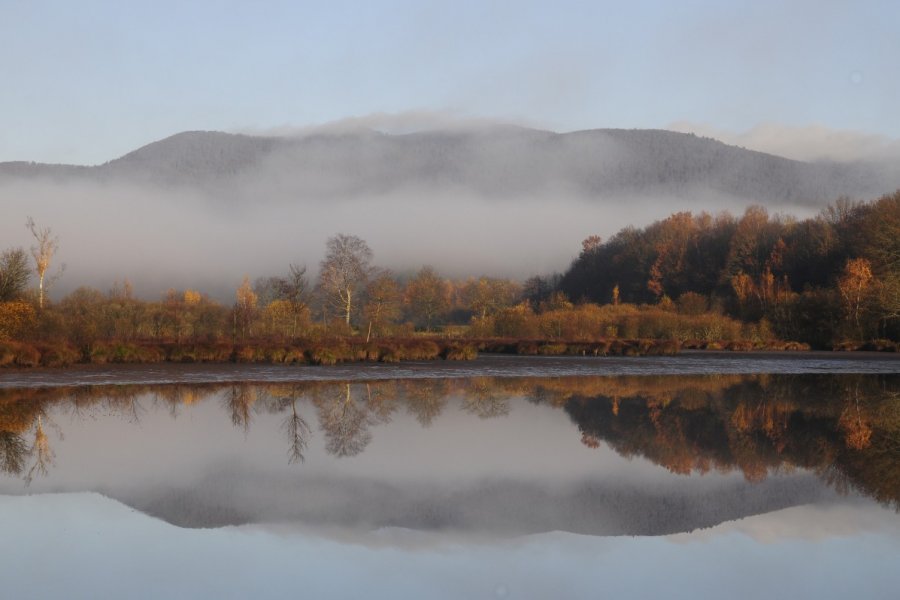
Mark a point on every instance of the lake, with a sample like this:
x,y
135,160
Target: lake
x,y
704,475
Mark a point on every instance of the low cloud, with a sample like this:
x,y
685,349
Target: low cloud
x,y
396,123
182,238
808,143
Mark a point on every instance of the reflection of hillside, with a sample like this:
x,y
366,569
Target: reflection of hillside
x,y
844,427
233,496
660,388
847,428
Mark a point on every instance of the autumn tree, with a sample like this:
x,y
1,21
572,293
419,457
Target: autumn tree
x,y
16,315
673,236
855,286
591,244
485,296
285,299
882,230
382,302
46,245
344,271
17,318
426,296
83,314
245,307
536,289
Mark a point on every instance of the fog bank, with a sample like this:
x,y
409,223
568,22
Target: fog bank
x,y
179,237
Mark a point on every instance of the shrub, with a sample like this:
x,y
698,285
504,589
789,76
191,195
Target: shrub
x,y
552,349
26,355
59,355
460,352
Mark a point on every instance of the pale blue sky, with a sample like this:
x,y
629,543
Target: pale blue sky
x,y
87,81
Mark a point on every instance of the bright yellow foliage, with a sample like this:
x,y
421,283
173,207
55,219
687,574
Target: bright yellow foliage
x,y
16,319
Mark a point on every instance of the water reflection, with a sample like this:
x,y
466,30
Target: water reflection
x,y
844,429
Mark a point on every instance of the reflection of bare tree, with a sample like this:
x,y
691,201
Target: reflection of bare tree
x,y
344,421
13,451
485,400
381,400
238,401
426,399
854,424
298,432
130,407
43,454
177,396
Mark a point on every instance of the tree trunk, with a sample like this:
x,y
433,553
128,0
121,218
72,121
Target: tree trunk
x,y
348,305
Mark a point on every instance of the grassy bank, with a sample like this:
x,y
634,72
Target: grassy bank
x,y
327,352
352,349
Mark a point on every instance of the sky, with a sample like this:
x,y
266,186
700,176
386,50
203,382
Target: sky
x,y
86,82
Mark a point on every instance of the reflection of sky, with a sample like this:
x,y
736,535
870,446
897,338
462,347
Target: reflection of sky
x,y
525,472
533,442
87,546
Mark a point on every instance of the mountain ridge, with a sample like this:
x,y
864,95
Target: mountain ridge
x,y
491,161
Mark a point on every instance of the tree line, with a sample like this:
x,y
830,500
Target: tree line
x,y
350,296
824,280
829,281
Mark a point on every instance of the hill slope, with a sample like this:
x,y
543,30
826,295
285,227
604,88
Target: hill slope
x,y
500,161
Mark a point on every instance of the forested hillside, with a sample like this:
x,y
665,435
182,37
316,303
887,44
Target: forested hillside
x,y
830,277
494,161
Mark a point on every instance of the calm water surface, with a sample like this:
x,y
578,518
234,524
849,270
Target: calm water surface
x,y
505,477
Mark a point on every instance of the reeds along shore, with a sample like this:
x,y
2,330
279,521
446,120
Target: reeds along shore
x,y
344,350
327,352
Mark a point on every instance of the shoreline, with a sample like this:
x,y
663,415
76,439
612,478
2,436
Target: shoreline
x,y
15,356
688,364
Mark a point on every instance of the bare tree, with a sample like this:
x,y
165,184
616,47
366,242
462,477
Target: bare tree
x,y
294,289
43,251
14,274
345,270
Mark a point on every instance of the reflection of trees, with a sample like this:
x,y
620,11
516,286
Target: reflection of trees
x,y
297,430
845,428
381,400
20,413
239,400
41,451
485,400
13,452
344,421
857,432
426,398
176,396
